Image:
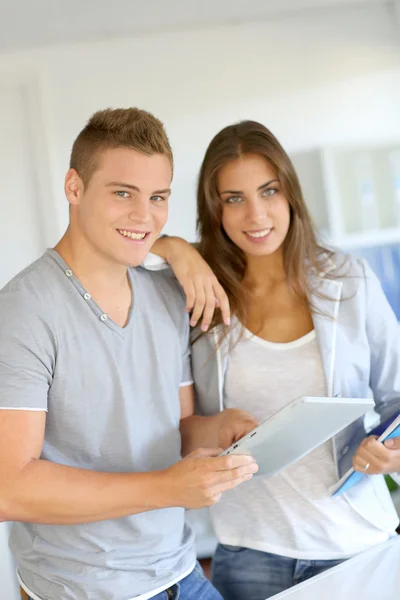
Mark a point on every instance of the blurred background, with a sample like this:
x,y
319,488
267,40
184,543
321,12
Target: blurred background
x,y
323,75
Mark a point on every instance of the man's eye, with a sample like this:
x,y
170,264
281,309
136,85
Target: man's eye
x,y
122,194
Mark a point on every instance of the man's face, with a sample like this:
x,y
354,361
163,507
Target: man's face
x,y
124,207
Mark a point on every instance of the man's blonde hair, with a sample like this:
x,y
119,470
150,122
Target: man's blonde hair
x,y
117,128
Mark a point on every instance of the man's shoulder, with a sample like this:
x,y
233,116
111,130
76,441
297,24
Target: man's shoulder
x,y
31,290
163,289
164,282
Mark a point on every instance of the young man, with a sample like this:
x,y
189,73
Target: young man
x,y
95,386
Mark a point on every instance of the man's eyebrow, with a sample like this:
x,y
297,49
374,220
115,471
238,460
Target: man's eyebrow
x,y
130,186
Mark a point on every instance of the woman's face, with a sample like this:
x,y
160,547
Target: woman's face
x,y
255,212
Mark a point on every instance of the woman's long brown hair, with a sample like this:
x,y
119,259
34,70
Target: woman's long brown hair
x,y
301,250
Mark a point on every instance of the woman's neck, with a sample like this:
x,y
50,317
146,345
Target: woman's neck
x,y
264,271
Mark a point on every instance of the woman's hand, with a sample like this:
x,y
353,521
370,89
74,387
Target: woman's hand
x,y
373,457
203,291
233,425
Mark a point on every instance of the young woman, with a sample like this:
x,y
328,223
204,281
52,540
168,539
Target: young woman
x,y
305,321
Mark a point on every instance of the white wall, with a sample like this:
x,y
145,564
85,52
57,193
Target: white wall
x,y
329,76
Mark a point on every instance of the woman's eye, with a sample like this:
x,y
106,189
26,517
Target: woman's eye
x,y
122,194
270,192
233,200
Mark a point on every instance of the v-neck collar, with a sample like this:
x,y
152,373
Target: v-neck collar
x,y
97,310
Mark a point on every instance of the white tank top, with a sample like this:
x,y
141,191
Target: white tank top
x,y
292,513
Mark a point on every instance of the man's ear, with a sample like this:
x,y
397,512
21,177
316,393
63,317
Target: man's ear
x,y
73,187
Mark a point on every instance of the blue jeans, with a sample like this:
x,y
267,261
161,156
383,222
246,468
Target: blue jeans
x,y
243,574
193,587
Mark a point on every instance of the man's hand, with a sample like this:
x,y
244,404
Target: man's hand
x,y
373,457
234,424
202,477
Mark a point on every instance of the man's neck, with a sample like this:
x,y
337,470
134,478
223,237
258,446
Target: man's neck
x,y
98,274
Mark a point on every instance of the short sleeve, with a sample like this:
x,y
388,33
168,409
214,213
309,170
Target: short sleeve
x,y
27,354
174,300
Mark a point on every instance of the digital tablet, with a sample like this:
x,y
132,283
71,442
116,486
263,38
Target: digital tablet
x,y
302,425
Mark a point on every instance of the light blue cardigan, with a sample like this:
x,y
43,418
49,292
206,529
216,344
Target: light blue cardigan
x,y
359,340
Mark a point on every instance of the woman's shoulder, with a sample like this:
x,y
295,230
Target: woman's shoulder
x,y
336,264
360,285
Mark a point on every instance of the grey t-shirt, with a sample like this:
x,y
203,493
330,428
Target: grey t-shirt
x,y
112,396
